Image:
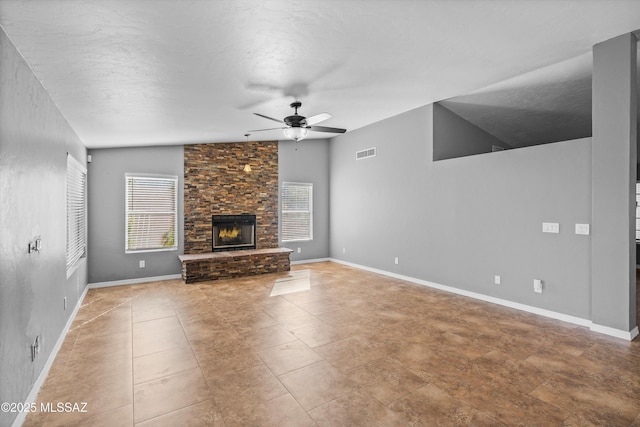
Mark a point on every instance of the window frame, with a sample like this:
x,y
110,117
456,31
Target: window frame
x,y
142,176
76,213
309,185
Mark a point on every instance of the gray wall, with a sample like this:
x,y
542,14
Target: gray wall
x,y
461,221
34,141
454,136
107,259
308,161
614,175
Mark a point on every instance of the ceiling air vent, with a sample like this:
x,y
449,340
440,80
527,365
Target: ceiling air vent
x,y
369,152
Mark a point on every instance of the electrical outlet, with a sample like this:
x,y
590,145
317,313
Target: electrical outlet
x,y
141,263
344,250
299,250
496,280
537,286
396,260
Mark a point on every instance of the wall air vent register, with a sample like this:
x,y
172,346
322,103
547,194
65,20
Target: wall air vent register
x,y
363,154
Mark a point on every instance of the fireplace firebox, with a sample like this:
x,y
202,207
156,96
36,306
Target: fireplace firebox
x,y
234,232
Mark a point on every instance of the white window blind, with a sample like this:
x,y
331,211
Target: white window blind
x,y
76,212
297,211
151,213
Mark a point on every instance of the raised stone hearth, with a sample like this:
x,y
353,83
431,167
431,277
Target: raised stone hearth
x,y
229,264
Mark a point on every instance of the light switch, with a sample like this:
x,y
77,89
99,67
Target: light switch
x,y
550,227
582,229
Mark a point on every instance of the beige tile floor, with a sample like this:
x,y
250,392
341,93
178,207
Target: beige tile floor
x,y
354,349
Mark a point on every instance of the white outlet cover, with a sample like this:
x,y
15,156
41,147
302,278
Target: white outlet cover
x,y
537,286
496,280
550,227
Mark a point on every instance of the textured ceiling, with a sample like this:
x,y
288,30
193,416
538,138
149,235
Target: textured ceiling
x,y
164,72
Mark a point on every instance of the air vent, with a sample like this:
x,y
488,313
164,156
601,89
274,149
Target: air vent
x,y
369,152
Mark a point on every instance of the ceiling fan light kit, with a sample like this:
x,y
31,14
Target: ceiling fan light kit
x,y
299,126
296,133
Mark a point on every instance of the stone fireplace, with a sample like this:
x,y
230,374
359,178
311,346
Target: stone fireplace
x,y
215,183
217,187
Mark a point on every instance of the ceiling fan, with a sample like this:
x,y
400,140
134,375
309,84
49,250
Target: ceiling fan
x,y
297,126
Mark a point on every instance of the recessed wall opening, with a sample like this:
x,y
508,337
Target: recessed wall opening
x,y
547,105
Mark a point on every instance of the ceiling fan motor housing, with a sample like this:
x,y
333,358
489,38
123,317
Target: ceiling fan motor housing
x,y
295,121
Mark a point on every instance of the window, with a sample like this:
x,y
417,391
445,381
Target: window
x,y
76,213
297,211
151,213
638,211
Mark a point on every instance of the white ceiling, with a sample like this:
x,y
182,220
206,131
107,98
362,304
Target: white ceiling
x,y
151,72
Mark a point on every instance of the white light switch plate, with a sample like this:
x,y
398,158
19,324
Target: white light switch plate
x,y
582,229
550,227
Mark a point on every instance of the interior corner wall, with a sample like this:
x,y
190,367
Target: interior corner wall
x,y
34,141
454,136
461,221
107,259
614,177
308,161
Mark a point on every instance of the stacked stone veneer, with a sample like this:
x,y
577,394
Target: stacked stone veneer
x,y
225,265
215,184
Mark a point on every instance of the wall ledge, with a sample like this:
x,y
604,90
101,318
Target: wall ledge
x,y
618,333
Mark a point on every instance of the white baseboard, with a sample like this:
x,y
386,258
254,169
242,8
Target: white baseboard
x,y
310,261
33,394
133,281
618,333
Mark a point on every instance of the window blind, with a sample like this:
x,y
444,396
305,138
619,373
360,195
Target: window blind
x,y
76,212
297,211
151,213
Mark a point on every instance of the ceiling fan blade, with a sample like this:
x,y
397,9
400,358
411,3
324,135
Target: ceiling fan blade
x,y
267,117
261,130
318,118
326,129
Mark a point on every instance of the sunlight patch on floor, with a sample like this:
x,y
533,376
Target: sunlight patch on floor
x,y
296,281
